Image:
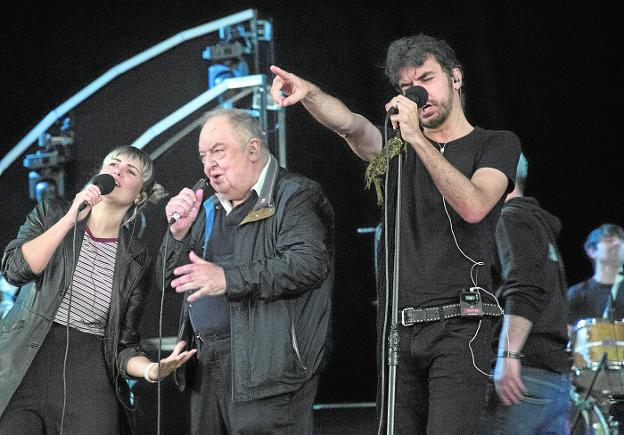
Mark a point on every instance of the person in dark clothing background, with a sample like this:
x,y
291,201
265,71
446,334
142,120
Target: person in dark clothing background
x,y
532,372
601,296
255,261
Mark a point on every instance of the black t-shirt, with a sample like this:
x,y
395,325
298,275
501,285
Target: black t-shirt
x,y
433,270
588,299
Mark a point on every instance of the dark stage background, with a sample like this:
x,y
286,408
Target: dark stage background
x,y
543,72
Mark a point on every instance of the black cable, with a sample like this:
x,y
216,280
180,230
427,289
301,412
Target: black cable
x,y
160,320
69,304
71,285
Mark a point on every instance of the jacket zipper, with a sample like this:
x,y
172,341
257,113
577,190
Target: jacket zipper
x,y
196,334
295,345
116,341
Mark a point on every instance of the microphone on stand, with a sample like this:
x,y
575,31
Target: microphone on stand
x,y
200,184
105,182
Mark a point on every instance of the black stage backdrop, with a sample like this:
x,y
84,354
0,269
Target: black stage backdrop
x,y
544,72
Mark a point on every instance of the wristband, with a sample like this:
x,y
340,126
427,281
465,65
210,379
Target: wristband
x,y
146,375
513,355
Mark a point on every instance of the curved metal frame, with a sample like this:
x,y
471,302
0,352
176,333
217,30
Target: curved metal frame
x,y
116,71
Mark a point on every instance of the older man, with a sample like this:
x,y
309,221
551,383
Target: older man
x,y
255,261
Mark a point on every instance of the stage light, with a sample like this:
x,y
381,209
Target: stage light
x,y
227,56
46,179
219,72
47,183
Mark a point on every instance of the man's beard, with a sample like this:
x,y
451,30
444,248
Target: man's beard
x,y
437,120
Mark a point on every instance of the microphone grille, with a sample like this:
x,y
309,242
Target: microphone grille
x,y
105,182
417,94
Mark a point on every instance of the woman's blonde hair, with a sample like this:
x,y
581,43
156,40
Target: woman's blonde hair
x,y
151,191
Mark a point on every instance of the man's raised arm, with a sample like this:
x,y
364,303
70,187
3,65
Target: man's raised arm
x,y
361,135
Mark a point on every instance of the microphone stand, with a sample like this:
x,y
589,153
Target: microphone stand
x,y
585,399
611,316
609,310
393,336
419,95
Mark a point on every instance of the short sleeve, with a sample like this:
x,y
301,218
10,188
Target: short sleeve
x,y
501,152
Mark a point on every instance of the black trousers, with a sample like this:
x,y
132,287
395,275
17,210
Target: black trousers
x,y
438,389
214,412
37,405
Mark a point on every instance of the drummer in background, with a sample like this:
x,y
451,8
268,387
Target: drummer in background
x,y
602,295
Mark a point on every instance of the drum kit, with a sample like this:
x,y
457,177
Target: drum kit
x,y
598,377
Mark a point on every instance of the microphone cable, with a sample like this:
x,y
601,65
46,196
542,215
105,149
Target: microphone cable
x,y
69,306
160,332
201,183
473,277
71,285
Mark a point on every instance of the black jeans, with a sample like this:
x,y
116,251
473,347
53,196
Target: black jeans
x,y
37,405
438,389
214,412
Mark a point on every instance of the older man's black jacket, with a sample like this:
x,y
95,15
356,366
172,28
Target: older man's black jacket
x,y
278,288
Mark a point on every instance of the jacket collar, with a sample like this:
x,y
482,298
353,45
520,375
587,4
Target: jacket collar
x,y
265,205
129,241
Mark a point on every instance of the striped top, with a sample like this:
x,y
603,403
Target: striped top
x,y
91,287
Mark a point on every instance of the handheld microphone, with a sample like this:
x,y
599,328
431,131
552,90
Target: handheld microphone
x,y
105,182
417,94
200,184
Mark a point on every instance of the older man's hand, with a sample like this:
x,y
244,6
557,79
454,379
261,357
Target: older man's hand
x,y
200,277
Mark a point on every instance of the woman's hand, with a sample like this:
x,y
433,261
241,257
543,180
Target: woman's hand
x,y
176,359
91,195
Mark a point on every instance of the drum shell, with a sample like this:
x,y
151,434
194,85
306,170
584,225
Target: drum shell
x,y
591,339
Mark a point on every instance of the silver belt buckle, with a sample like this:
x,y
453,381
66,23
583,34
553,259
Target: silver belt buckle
x,y
403,321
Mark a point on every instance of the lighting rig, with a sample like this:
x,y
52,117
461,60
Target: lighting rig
x,y
46,179
242,50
